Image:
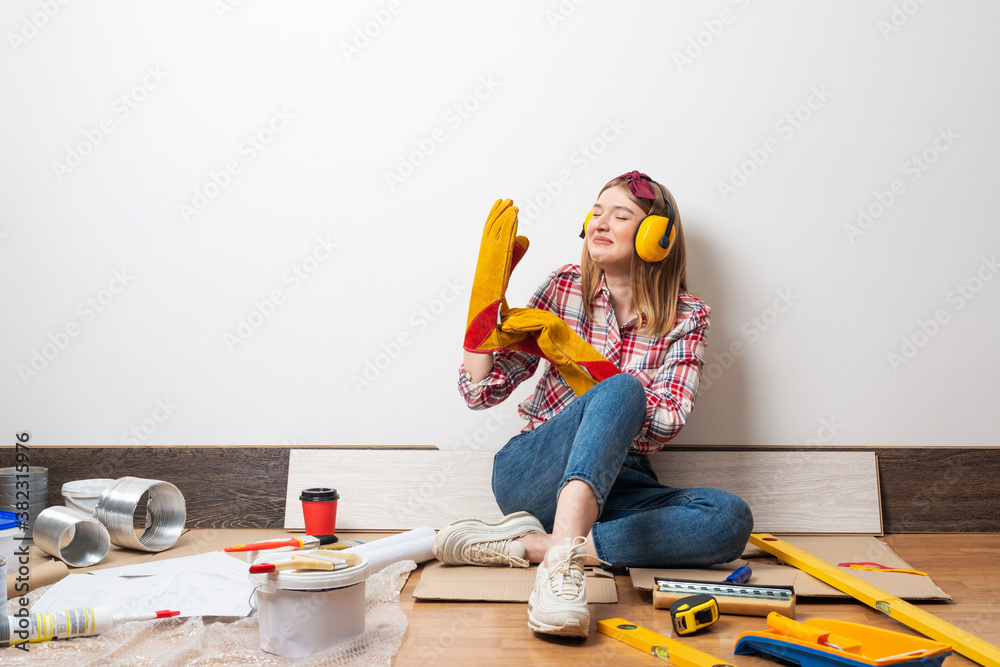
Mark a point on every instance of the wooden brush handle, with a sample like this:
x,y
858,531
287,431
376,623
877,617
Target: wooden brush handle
x,y
305,563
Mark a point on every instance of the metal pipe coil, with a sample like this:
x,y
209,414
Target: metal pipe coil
x,y
89,540
165,513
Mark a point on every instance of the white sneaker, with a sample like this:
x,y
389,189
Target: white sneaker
x,y
558,605
475,542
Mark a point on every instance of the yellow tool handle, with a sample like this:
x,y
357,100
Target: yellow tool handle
x,y
787,626
964,642
306,563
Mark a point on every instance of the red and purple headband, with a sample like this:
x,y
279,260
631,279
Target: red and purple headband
x,y
639,185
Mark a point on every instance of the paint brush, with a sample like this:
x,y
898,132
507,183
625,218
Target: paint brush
x,y
304,542
298,563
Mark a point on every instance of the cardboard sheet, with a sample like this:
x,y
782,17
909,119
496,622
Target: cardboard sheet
x,y
498,584
830,548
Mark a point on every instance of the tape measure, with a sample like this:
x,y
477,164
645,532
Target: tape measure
x,y
966,643
655,644
693,613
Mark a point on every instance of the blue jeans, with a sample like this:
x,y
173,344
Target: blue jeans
x,y
642,523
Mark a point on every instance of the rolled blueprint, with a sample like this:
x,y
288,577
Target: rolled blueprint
x,y
412,545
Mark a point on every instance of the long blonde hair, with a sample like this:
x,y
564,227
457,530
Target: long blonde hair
x,y
656,286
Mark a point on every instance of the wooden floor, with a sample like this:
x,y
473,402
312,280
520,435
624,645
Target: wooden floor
x,y
966,566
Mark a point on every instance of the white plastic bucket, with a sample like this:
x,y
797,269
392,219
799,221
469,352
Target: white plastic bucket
x,y
83,494
301,613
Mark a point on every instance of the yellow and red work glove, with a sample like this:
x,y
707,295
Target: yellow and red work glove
x,y
492,326
499,252
577,361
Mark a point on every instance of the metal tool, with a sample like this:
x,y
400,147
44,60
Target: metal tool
x,y
724,589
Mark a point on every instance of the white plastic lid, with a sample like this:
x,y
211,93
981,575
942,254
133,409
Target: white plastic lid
x,y
84,494
307,580
86,488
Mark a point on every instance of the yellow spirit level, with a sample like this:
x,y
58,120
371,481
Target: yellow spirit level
x,y
655,644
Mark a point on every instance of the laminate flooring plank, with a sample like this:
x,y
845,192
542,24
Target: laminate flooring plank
x,y
394,489
789,492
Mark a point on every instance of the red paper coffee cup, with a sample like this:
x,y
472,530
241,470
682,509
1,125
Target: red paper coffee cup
x,y
319,508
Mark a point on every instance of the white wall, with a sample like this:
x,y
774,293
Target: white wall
x,y
118,115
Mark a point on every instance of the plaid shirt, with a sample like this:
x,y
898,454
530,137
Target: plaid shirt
x,y
669,367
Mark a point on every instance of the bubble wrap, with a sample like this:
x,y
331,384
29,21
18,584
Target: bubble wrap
x,y
173,642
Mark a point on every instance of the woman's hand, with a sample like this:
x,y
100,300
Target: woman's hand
x,y
500,251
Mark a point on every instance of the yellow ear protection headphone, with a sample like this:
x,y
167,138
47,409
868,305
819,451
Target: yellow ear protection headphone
x,y
655,235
